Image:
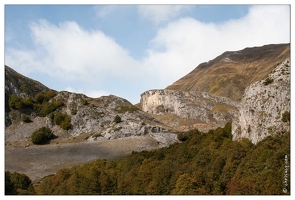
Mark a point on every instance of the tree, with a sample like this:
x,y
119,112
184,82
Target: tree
x,y
10,188
185,185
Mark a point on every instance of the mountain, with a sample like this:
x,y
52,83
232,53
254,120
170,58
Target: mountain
x,y
19,85
230,73
88,128
250,87
247,92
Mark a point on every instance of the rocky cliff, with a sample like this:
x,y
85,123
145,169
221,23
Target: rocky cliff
x,y
90,118
265,106
256,82
187,110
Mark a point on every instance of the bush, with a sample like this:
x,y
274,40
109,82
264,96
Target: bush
x,y
39,97
10,188
41,136
44,96
48,107
268,81
117,119
66,125
63,120
182,137
16,183
15,102
26,118
286,116
85,102
20,180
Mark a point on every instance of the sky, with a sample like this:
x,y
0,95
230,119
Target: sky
x,y
126,50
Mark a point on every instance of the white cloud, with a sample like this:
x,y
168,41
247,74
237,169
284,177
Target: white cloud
x,y
161,13
183,44
72,53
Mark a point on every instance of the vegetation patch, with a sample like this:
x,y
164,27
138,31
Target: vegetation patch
x,y
26,118
268,81
18,184
123,109
63,120
44,96
17,102
48,107
286,116
117,119
96,135
42,135
40,103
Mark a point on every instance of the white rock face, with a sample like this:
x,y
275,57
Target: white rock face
x,y
262,106
202,107
97,118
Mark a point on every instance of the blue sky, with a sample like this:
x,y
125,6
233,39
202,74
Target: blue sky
x,y
127,49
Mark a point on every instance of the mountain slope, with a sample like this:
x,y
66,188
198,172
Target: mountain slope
x,y
17,84
86,128
250,87
230,73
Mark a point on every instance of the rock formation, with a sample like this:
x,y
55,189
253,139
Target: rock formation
x,y
190,109
264,106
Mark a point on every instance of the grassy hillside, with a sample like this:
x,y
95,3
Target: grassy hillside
x,y
202,164
230,73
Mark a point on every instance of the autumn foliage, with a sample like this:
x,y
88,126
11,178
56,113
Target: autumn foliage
x,y
205,163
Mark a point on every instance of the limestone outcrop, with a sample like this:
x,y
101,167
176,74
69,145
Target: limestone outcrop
x,y
202,110
265,107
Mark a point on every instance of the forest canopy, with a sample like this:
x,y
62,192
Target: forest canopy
x,y
205,163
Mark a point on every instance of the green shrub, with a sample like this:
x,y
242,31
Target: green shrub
x,y
182,137
85,102
16,183
117,119
20,180
74,112
10,188
63,120
39,97
48,107
26,118
27,102
15,102
286,116
44,96
66,125
41,136
268,81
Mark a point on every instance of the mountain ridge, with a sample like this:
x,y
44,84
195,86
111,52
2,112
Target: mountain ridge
x,y
221,76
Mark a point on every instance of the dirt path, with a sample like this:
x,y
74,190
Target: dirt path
x,y
39,161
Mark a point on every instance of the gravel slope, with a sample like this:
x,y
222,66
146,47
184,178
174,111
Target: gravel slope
x,y
39,161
